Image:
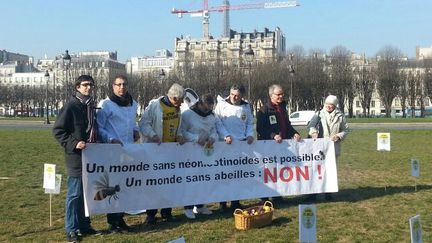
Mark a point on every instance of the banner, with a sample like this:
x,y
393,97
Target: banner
x,y
149,176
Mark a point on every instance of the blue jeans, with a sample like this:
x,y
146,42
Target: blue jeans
x,y
74,210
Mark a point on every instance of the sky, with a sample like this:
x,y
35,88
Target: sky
x,y
139,27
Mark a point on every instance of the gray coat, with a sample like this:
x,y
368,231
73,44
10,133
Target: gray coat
x,y
329,124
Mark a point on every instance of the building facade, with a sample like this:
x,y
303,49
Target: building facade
x,y
268,46
423,53
153,65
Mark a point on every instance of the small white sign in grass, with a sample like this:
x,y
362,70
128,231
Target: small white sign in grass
x,y
415,168
52,184
383,141
416,229
49,176
56,190
179,240
307,223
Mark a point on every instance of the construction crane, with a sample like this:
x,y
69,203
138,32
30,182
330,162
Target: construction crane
x,y
225,8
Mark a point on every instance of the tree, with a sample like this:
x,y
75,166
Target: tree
x,y
312,82
388,76
413,87
365,85
341,77
403,91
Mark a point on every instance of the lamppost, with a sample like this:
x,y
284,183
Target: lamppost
x,y
291,72
161,78
47,77
249,56
66,65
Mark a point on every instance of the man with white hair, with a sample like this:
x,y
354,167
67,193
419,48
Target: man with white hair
x,y
273,121
272,118
160,122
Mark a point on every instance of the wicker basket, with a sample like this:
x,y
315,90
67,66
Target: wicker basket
x,y
245,222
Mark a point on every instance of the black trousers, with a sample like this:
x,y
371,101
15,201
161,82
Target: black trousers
x,y
165,212
114,218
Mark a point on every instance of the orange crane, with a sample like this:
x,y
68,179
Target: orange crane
x,y
205,12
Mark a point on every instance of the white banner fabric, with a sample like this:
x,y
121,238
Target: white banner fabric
x,y
151,176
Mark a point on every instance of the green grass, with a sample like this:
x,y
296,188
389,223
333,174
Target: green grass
x,y
389,120
375,200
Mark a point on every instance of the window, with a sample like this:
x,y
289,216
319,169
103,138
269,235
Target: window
x,y
373,103
224,45
357,104
295,115
203,54
203,46
192,46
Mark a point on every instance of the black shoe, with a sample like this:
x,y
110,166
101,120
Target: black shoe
x,y
121,224
169,218
72,237
89,231
113,229
150,220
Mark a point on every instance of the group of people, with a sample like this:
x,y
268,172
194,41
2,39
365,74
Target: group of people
x,y
165,120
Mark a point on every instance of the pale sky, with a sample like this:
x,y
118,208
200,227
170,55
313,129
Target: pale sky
x,y
139,27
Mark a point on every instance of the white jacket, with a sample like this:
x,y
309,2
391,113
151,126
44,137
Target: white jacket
x,y
151,122
116,122
194,126
236,120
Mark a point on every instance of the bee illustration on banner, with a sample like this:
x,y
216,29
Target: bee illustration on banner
x,y
104,189
208,149
322,155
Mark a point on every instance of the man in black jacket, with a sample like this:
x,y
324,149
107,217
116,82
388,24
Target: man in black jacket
x,y
272,118
273,121
75,127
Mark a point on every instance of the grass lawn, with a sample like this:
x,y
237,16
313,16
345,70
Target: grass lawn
x,y
389,120
375,200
